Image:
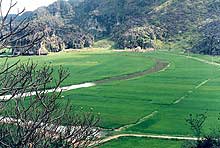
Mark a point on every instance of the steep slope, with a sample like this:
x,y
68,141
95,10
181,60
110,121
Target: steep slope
x,y
130,23
133,23
125,21
195,20
109,14
56,21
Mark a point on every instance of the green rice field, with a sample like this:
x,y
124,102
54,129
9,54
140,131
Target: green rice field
x,y
157,103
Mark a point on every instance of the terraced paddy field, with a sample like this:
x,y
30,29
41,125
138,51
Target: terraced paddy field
x,y
154,103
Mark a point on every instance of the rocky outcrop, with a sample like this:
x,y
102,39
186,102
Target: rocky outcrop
x,y
56,22
129,23
143,37
210,39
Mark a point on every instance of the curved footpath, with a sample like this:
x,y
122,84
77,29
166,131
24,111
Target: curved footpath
x,y
193,58
138,122
110,138
202,60
159,66
165,137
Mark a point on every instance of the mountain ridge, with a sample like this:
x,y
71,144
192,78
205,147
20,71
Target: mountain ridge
x,y
130,23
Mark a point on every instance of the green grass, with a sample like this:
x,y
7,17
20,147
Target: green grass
x,y
90,66
131,142
146,94
126,102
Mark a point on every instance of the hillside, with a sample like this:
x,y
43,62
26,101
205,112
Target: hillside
x,y
130,23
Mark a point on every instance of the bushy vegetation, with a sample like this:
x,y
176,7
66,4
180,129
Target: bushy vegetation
x,y
130,23
143,37
104,43
210,39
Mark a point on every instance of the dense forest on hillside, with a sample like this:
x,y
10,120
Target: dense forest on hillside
x,y
77,24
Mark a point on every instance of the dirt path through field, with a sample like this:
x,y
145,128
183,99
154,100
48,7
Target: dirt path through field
x,y
191,91
165,137
138,122
194,58
159,66
202,60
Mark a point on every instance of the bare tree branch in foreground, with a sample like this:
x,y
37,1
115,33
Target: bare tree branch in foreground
x,y
42,120
16,34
